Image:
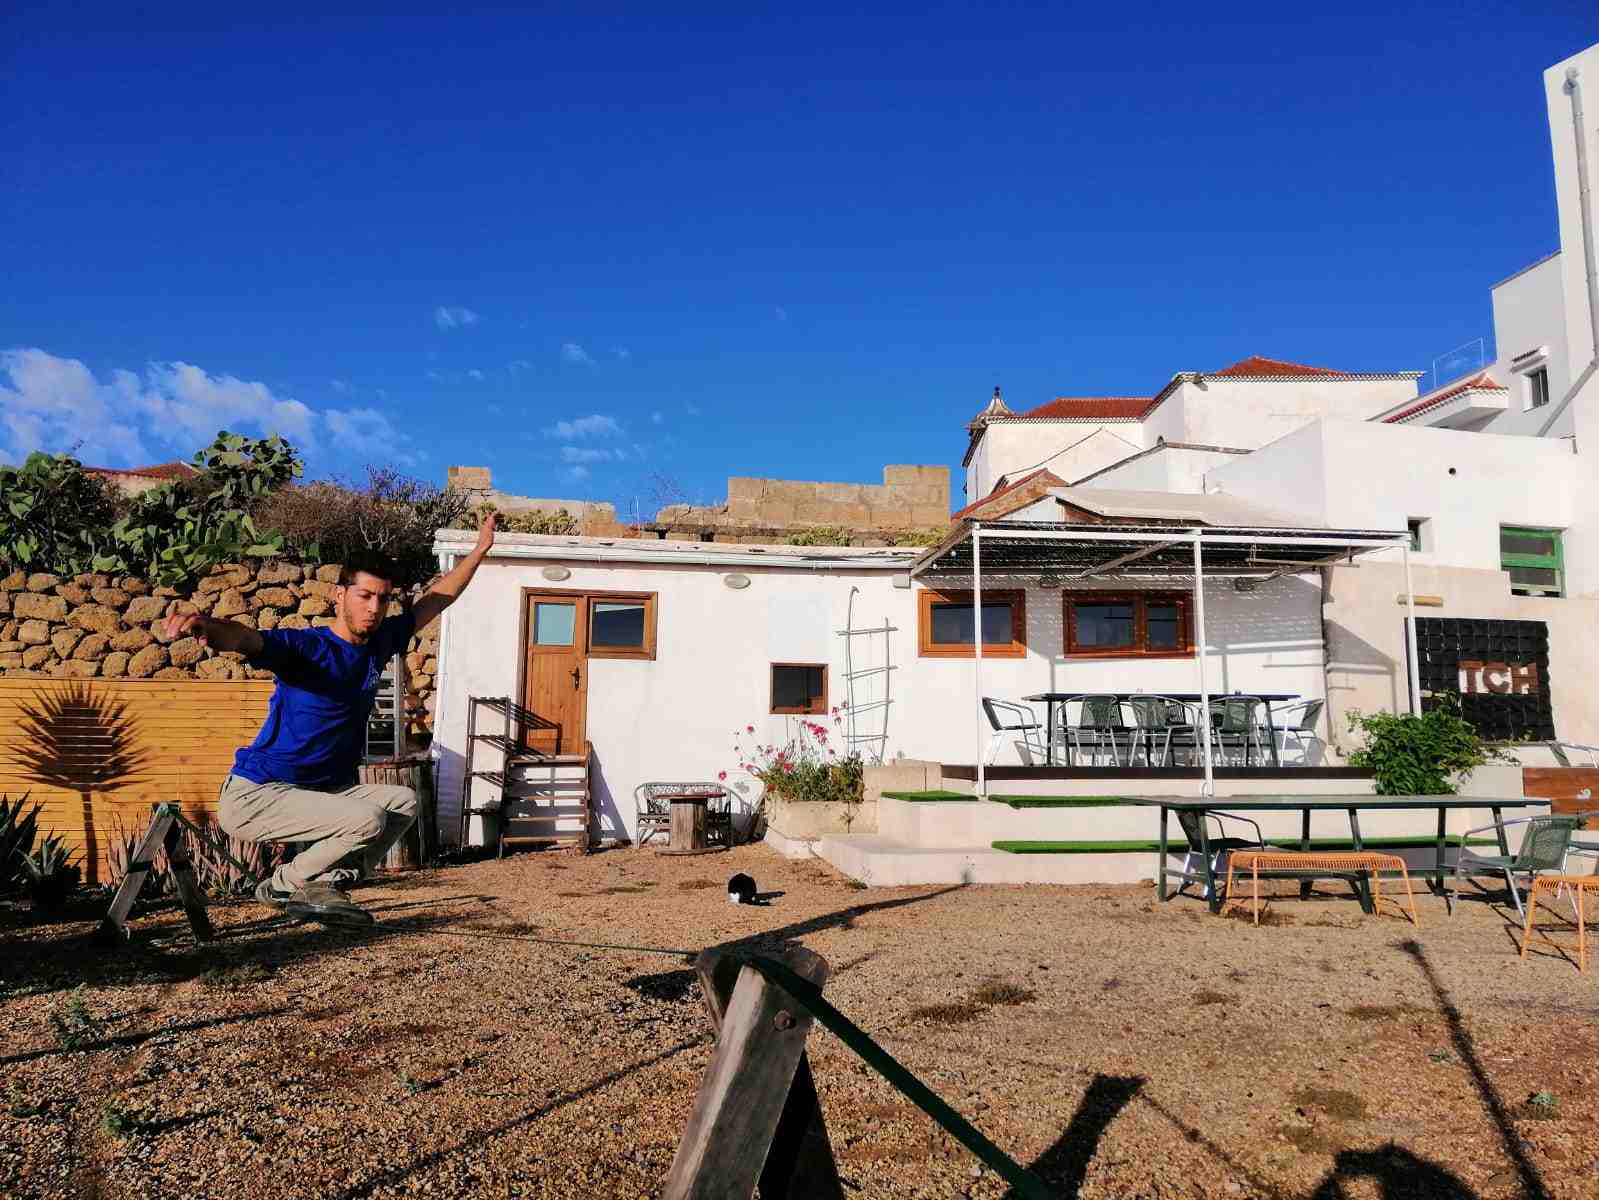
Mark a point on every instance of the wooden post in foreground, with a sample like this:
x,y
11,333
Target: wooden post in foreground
x,y
756,1118
165,833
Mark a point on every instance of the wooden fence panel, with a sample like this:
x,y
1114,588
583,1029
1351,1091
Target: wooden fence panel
x,y
99,752
1564,788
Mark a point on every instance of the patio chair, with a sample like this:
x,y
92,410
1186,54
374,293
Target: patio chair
x,y
654,809
1238,723
1299,722
1007,717
1099,725
1159,718
1543,848
1220,846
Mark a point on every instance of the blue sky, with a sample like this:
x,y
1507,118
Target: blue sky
x,y
587,245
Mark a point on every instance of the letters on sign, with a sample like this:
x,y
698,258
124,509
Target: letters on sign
x,y
1498,678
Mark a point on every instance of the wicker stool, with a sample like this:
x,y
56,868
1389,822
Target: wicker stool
x,y
1303,860
1579,884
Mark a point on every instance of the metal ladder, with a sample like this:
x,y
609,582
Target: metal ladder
x,y
854,739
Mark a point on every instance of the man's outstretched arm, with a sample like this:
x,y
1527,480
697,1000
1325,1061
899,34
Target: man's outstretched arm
x,y
443,593
217,633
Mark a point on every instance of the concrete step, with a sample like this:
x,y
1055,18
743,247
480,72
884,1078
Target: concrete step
x,y
882,862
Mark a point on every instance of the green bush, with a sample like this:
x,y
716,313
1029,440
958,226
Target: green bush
x,y
55,516
821,535
1420,756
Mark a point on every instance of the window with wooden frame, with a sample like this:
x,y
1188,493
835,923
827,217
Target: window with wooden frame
x,y
1128,625
799,688
946,624
621,626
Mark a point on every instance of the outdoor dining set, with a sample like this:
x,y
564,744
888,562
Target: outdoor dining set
x,y
1129,729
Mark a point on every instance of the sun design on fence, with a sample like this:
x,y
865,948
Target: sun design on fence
x,y
79,739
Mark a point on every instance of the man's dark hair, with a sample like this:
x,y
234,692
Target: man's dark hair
x,y
369,562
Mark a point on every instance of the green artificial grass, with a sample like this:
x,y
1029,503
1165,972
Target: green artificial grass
x,y
1012,801
1176,847
1060,801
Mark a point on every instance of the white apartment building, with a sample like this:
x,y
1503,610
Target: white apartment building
x,y
1494,475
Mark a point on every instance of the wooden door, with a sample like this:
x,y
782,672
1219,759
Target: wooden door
x,y
556,682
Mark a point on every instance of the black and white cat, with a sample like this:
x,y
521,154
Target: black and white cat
x,y
741,889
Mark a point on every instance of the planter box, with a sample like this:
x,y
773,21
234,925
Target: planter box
x,y
794,828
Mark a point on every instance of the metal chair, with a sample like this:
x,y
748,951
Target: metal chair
x,y
653,803
1299,723
1099,724
1238,722
1158,717
1543,848
1220,846
1006,717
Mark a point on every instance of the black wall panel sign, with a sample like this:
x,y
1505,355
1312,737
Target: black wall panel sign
x,y
1500,669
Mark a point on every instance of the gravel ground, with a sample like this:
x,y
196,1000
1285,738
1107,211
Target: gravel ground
x,y
1118,1046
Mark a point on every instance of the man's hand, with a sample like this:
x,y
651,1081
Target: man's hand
x,y
180,623
444,591
485,533
215,632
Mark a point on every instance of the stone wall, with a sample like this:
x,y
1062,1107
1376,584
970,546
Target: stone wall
x,y
109,627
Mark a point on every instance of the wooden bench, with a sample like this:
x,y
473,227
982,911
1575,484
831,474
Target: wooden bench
x,y
1307,862
1579,885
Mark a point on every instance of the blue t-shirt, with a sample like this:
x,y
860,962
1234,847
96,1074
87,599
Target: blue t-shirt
x,y
315,729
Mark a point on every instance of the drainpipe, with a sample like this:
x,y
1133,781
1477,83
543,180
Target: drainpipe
x,y
1585,206
977,653
1585,212
446,565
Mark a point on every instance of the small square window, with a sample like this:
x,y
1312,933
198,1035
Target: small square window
x,y
1537,388
1533,559
1420,534
799,688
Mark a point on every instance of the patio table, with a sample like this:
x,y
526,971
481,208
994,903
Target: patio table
x,y
1306,805
1054,699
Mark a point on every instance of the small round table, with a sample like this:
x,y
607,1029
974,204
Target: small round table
x,y
688,823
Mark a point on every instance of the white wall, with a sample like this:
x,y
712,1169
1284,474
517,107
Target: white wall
x,y
1164,469
1071,449
1529,311
1243,414
677,716
1364,475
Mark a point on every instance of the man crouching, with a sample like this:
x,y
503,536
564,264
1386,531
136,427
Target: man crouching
x,y
298,781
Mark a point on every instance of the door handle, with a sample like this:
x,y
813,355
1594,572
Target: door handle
x,y
577,677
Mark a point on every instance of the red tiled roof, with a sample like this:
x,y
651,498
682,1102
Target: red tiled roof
x,y
166,470
1110,408
997,493
1256,366
1480,382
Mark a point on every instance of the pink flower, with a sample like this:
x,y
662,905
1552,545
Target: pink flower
x,y
721,775
749,729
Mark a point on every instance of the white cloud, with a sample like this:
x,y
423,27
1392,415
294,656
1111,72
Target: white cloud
x,y
339,386
519,364
171,409
591,454
658,418
453,317
595,425
474,373
577,474
573,353
368,433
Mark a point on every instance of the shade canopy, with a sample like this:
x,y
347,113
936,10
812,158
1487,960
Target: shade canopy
x,y
1134,550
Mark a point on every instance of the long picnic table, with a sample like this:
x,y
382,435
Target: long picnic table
x,y
1307,805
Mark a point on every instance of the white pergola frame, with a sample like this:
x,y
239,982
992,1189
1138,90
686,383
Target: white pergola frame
x,y
1348,544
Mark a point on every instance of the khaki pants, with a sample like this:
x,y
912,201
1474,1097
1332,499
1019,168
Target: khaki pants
x,y
349,831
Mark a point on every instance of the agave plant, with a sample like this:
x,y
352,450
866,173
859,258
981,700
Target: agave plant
x,y
16,838
49,874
